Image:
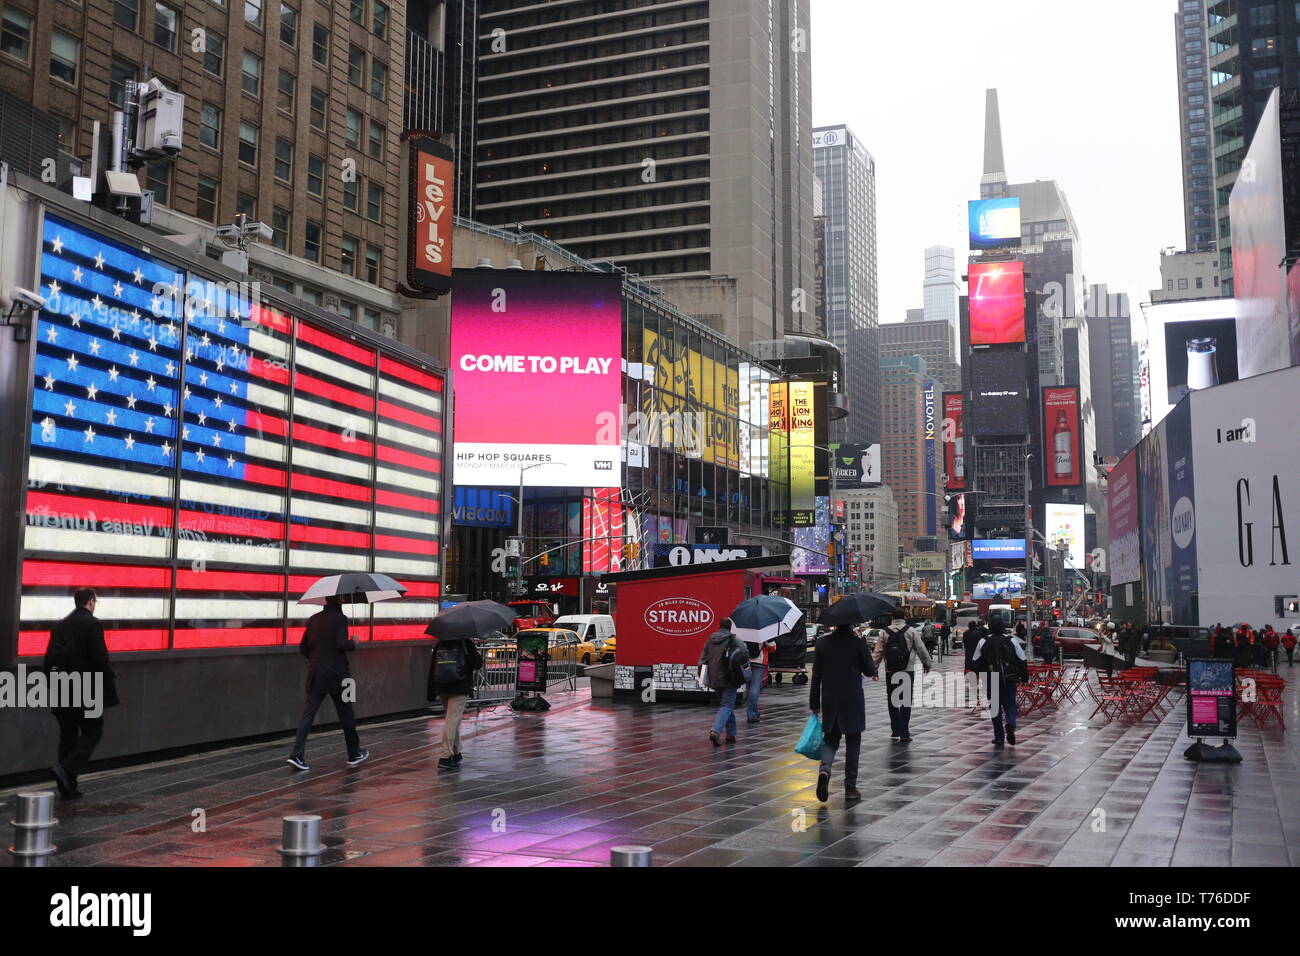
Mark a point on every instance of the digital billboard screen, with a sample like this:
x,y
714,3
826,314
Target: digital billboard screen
x,y
997,303
1122,503
999,549
1199,354
1061,426
855,465
954,440
536,361
1065,527
994,223
999,394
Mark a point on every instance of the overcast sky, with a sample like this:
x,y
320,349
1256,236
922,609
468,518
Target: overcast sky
x,y
1088,95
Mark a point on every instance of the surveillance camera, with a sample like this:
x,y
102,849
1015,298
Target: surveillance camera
x,y
29,299
228,231
170,143
264,232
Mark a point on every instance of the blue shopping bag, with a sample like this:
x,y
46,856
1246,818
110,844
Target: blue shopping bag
x,y
810,742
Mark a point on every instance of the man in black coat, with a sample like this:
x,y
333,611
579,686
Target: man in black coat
x,y
325,644
77,646
454,692
835,695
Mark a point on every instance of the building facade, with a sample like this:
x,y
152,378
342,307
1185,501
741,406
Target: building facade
x,y
1114,370
871,529
847,174
1188,275
936,341
1192,57
942,288
902,445
668,138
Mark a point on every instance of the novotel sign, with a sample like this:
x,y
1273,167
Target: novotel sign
x,y
679,616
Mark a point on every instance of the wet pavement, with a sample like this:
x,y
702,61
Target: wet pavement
x,y
562,788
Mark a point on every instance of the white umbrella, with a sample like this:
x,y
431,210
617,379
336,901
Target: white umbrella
x,y
355,587
764,618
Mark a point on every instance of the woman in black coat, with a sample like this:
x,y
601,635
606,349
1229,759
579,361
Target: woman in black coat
x,y
840,662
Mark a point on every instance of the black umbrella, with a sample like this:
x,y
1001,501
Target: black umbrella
x,y
471,620
856,608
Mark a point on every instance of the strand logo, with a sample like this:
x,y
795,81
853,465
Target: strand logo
x,y
678,616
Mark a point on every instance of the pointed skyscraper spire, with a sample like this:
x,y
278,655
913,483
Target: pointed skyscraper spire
x,y
994,182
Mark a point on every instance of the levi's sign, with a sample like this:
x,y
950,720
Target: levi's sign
x,y
678,616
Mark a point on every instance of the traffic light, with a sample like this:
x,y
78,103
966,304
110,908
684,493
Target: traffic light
x,y
512,566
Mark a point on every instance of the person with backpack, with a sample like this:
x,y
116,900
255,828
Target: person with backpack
x,y
325,644
725,668
1002,657
1047,645
928,636
77,646
455,660
945,638
900,647
840,661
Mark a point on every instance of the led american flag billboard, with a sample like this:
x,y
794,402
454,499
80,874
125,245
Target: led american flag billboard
x,y
200,458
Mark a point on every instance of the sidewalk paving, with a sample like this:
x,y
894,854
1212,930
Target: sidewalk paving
x,y
562,788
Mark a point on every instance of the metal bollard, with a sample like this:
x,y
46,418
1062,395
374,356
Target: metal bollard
x,y
302,844
629,856
33,825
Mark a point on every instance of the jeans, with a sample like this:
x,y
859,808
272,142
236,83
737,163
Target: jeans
x,y
831,743
900,715
315,697
1006,706
78,737
756,674
726,712
454,710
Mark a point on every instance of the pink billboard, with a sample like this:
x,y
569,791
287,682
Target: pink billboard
x,y
536,365
1122,493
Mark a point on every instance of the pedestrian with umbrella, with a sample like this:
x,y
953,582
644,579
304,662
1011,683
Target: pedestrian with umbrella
x,y
455,660
757,622
840,662
325,644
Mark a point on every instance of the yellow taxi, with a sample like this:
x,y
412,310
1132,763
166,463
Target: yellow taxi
x,y
562,644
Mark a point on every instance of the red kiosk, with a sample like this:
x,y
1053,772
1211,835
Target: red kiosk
x,y
663,616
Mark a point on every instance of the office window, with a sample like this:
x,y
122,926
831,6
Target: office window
x,y
1266,79
205,206
246,205
284,160
288,25
251,78
311,241
348,256
353,132
16,34
1263,16
318,105
210,125
379,22
316,175
247,143
126,13
357,11
119,73
350,194
378,79
279,227
253,13
374,201
166,21
371,318
320,44
356,65
1263,46
64,55
373,258
214,52
376,140
158,177
310,295
67,134
1199,282
1182,283
285,85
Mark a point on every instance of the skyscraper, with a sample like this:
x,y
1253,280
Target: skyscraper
x,y
847,174
667,138
902,446
942,289
1193,114
935,341
1114,371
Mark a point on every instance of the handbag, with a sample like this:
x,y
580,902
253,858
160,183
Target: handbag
x,y
810,742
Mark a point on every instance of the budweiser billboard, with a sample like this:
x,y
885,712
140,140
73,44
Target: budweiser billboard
x,y
1063,465
954,440
431,188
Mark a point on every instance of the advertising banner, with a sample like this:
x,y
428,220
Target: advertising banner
x,y
1065,525
1182,573
1122,498
695,406
1061,433
537,366
954,440
994,223
856,466
957,516
1247,482
931,433
432,184
999,394
810,554
997,303
1157,547
1188,346
677,555
1211,698
483,508
604,525
1000,549
803,454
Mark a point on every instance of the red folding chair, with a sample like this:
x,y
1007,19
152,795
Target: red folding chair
x,y
1268,701
1111,697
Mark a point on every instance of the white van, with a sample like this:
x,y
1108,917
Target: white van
x,y
596,628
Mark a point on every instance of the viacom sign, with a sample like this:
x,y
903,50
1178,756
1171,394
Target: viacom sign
x,y
679,555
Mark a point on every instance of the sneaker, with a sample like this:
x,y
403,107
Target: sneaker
x,y
297,763
823,786
996,742
67,787
852,795
904,740
447,763
359,758
751,720
457,758
1011,736
731,739
714,738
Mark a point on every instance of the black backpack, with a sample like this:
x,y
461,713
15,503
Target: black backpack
x,y
449,666
737,661
898,651
59,652
1004,661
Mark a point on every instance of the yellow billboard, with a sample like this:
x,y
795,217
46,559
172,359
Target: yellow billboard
x,y
696,403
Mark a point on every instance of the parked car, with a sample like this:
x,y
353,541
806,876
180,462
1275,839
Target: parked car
x,y
1072,640
593,628
608,649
